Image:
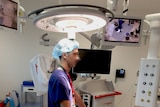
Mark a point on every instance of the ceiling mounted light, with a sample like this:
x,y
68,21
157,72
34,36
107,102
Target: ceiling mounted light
x,y
70,18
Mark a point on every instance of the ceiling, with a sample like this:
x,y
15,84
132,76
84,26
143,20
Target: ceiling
x,y
138,8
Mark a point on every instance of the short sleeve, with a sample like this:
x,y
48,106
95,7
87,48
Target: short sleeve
x,y
58,90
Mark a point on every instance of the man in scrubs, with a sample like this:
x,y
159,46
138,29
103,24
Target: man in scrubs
x,y
61,92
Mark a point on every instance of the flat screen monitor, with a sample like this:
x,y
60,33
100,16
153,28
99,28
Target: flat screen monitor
x,y
93,62
123,30
9,13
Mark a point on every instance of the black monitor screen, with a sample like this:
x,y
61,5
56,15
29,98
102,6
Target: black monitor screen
x,y
93,61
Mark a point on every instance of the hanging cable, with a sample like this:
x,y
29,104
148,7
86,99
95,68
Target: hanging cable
x,y
125,7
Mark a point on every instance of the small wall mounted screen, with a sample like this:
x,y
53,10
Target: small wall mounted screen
x,y
8,14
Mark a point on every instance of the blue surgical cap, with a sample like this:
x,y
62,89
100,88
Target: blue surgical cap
x,y
63,46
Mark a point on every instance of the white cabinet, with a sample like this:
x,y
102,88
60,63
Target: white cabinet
x,y
29,101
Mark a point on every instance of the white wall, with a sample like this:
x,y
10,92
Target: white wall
x,y
16,52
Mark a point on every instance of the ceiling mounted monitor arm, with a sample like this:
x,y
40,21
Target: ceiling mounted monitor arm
x,y
94,38
125,7
85,35
22,20
112,5
146,32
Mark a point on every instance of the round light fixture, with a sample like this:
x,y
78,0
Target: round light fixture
x,y
71,18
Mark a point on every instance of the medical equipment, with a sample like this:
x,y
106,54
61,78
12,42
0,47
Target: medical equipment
x,y
26,91
93,62
112,5
22,14
148,81
39,67
123,31
70,18
103,96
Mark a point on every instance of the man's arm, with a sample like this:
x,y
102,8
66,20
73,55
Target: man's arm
x,y
79,100
65,103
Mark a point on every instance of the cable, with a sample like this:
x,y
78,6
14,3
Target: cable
x,y
125,7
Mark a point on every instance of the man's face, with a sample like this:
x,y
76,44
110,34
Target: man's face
x,y
73,58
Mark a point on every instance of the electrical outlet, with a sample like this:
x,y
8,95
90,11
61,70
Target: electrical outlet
x,y
147,87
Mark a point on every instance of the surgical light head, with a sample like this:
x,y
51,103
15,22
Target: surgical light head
x,y
63,46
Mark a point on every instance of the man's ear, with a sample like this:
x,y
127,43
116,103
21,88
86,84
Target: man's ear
x,y
64,55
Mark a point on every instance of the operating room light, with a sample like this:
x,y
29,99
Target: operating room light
x,y
70,18
71,23
66,24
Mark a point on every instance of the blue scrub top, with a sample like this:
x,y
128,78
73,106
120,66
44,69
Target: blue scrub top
x,y
58,88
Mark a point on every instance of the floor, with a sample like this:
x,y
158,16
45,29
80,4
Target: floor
x,y
31,105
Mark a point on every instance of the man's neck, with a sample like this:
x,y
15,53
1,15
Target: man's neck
x,y
65,67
